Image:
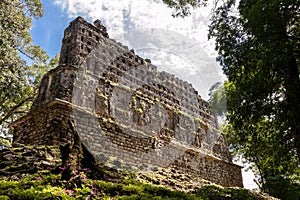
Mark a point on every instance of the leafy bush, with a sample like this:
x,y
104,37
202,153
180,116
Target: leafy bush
x,y
214,192
283,187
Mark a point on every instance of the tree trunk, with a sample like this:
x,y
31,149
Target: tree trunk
x,y
292,85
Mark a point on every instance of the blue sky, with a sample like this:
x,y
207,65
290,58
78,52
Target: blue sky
x,y
178,46
48,30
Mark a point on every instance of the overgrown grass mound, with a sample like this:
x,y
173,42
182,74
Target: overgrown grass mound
x,y
29,172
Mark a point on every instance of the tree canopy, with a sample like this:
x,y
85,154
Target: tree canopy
x,y
258,42
22,63
217,99
182,7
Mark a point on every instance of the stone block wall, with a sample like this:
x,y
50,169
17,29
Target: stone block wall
x,y
49,125
124,109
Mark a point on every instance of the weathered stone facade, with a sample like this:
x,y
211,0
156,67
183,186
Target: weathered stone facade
x,y
123,108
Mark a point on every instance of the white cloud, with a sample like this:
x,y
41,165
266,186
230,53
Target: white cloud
x,y
127,18
129,14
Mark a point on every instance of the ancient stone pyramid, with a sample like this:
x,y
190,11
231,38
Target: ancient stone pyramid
x,y
124,109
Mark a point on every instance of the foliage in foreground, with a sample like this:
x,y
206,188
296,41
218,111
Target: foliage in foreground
x,y
51,186
38,172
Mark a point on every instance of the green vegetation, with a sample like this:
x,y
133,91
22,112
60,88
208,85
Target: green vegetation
x,y
258,46
53,187
22,64
259,52
182,7
217,100
49,177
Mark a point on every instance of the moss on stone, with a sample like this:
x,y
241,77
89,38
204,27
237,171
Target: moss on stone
x,y
99,182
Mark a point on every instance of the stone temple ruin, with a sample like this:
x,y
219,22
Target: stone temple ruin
x,y
123,108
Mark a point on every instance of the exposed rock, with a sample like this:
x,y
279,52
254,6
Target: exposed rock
x,y
20,160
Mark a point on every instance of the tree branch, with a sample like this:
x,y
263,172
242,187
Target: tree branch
x,y
13,109
26,54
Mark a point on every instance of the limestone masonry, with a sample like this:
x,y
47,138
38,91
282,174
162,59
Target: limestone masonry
x,y
125,111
